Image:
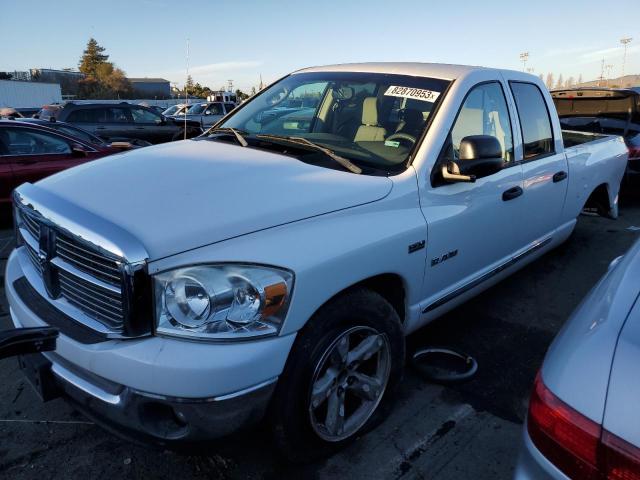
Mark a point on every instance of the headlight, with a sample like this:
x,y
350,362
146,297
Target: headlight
x,y
221,302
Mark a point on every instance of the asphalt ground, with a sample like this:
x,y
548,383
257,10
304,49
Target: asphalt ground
x,y
471,430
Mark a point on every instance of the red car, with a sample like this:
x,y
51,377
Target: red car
x,y
30,151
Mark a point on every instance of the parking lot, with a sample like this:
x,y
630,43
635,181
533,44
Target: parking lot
x,y
466,431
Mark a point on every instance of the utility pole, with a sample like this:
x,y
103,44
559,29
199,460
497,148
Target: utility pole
x,y
230,85
625,41
524,56
601,73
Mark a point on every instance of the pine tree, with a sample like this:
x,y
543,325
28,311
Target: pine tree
x,y
91,58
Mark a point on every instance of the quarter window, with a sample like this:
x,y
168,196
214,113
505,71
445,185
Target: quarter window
x,y
484,112
534,120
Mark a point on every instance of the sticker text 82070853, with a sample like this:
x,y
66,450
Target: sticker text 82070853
x,y
413,93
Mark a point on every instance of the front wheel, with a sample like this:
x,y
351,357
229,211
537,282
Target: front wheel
x,y
340,377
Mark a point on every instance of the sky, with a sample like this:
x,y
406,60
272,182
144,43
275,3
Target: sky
x,y
242,40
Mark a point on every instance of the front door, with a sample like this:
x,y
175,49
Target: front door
x,y
472,227
33,154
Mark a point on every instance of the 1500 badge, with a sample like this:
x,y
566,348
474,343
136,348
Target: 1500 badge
x,y
446,256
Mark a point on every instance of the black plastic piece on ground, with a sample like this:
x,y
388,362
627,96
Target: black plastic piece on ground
x,y
22,341
443,365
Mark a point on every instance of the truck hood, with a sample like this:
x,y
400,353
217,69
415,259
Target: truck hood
x,y
183,195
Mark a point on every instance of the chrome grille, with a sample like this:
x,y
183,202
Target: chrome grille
x,y
33,256
31,224
98,265
88,279
101,304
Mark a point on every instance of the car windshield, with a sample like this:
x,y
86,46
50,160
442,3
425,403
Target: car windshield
x,y
375,120
197,109
171,110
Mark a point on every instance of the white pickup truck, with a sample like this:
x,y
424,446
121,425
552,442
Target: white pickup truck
x,y
273,267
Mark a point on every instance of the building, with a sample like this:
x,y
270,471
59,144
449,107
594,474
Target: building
x,y
151,87
67,79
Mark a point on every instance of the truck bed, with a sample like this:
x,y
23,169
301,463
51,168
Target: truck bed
x,y
572,138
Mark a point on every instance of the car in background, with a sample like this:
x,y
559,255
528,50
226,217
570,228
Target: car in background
x,y
208,113
179,109
9,112
583,417
30,152
612,111
48,112
125,121
77,132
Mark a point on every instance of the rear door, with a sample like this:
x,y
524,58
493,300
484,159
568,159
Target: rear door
x,y
34,154
108,122
545,170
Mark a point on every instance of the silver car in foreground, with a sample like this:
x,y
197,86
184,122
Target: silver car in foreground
x,y
584,412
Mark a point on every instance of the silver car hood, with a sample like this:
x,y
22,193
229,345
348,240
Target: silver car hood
x,y
183,195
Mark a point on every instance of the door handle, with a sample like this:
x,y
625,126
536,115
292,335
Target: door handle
x,y
512,193
558,177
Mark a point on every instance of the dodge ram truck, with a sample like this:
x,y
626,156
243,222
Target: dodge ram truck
x,y
271,268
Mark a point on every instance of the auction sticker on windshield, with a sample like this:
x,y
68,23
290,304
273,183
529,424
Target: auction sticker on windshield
x,y
413,93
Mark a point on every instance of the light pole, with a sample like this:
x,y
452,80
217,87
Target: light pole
x,y
625,41
524,56
608,68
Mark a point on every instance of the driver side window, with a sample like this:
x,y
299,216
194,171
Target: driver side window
x,y
484,112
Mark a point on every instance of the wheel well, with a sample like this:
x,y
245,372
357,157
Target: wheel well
x,y
599,199
391,287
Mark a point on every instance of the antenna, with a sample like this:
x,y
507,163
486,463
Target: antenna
x,y
186,92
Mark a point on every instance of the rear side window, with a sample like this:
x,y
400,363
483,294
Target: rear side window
x,y
229,106
534,120
99,115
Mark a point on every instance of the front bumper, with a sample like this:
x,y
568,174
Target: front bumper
x,y
146,418
162,389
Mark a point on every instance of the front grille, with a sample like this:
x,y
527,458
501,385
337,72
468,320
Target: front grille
x,y
101,304
87,278
95,264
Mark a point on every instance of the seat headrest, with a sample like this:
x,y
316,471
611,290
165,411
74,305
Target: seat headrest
x,y
413,118
370,111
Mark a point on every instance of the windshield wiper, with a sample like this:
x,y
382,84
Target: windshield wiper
x,y
233,131
303,141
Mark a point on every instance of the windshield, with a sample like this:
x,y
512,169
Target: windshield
x,y
171,110
197,109
371,119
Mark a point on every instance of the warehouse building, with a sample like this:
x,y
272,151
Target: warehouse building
x,y
151,87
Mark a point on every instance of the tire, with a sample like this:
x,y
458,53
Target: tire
x,y
303,433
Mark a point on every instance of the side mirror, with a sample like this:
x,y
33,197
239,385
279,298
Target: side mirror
x,y
78,150
478,156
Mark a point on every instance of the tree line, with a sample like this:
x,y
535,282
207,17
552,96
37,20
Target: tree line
x,y
551,82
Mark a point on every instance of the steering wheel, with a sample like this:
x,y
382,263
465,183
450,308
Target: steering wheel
x,y
401,136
